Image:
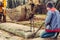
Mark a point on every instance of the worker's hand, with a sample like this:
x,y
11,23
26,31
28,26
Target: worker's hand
x,y
31,16
3,8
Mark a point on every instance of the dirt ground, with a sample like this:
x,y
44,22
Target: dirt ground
x,y
38,20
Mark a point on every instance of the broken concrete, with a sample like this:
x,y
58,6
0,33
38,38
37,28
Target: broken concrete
x,y
17,29
7,36
19,13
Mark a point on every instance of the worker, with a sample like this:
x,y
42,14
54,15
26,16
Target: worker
x,y
52,22
2,11
32,9
31,16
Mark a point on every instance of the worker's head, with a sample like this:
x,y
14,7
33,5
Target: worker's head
x,y
50,5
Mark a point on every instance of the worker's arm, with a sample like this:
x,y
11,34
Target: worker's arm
x,y
48,18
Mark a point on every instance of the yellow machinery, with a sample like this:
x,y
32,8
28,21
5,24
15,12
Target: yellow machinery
x,y
3,9
4,3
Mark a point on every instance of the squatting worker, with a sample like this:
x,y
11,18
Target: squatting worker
x,y
52,22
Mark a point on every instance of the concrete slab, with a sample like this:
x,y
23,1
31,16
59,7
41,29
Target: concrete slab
x,y
19,30
7,36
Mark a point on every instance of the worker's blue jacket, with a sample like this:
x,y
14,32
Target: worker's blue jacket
x,y
52,21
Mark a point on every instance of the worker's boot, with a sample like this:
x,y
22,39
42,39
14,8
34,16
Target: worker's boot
x,y
57,35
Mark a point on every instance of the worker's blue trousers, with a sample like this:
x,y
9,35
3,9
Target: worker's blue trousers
x,y
49,35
